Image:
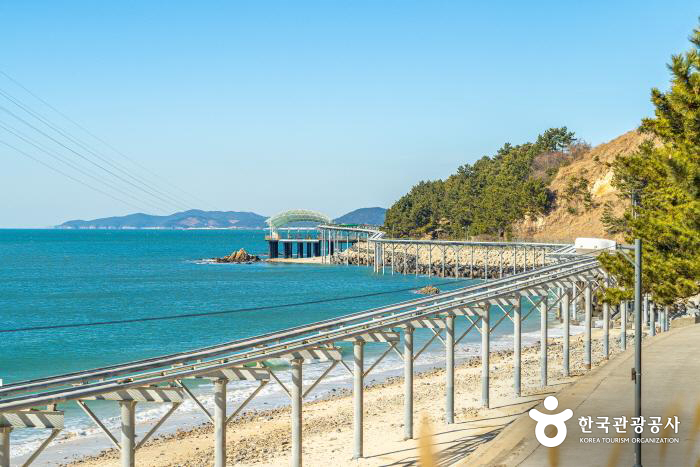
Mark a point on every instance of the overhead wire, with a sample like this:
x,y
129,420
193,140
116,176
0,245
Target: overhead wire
x,y
13,131
213,313
67,174
82,156
85,147
157,177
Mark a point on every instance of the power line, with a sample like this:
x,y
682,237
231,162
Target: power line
x,y
212,313
73,166
67,175
157,177
87,148
87,159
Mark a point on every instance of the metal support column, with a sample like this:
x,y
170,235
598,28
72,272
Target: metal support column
x,y
566,316
517,349
5,446
381,255
471,264
430,260
543,343
220,422
638,346
485,334
358,389
623,326
367,249
450,368
296,396
457,261
652,319
408,383
417,252
588,309
128,443
606,330
486,264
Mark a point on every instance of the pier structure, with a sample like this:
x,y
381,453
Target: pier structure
x,y
167,379
306,238
470,259
339,238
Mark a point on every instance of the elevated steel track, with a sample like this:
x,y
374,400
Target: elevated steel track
x,y
32,404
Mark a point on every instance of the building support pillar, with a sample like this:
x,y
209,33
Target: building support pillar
x,y
273,248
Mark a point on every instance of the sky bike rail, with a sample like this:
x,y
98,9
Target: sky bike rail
x,y
270,346
85,376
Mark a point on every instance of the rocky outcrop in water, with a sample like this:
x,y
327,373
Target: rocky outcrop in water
x,y
428,290
240,256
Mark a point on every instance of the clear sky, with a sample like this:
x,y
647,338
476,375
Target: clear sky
x,y
264,106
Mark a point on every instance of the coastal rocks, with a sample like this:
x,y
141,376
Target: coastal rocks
x,y
240,256
428,290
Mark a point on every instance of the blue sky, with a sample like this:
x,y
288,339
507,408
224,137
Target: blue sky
x,y
327,105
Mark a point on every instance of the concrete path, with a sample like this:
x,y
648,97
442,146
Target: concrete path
x,y
671,386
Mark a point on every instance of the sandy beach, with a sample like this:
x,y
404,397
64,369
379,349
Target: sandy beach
x,y
263,437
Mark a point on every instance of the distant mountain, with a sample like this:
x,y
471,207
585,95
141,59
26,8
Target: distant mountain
x,y
194,218
371,216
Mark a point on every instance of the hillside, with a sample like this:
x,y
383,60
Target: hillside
x,y
581,190
198,219
194,218
370,216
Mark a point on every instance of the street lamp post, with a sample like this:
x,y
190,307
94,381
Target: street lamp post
x,y
638,346
637,370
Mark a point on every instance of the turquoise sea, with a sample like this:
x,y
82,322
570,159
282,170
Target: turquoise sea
x,y
52,277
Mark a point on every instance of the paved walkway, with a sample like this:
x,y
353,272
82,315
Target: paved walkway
x,y
671,386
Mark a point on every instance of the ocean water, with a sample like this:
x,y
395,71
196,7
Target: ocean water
x,y
53,277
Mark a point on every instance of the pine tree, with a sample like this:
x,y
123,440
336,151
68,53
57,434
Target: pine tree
x,y
664,175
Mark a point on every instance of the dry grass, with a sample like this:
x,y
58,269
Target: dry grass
x,y
562,225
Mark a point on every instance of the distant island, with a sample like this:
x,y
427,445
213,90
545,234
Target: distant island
x,y
198,219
